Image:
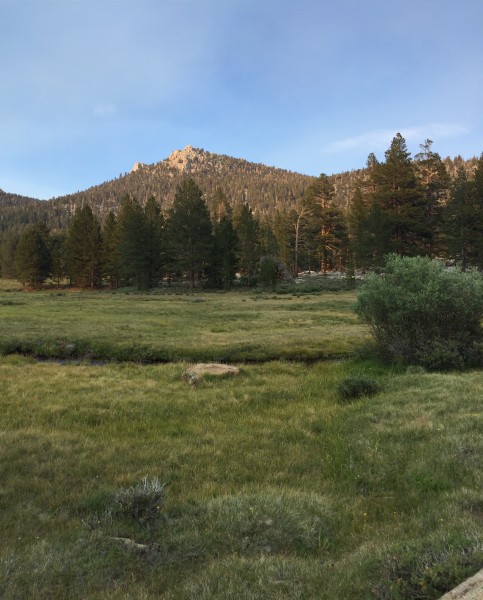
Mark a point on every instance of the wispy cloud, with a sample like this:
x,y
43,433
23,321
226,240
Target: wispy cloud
x,y
381,138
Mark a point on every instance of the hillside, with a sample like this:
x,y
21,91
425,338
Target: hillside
x,y
264,188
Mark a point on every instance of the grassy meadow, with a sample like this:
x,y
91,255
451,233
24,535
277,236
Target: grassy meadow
x,y
120,480
173,326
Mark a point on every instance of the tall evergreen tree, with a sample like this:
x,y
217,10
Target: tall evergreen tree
x,y
478,192
463,222
283,230
189,231
110,251
435,182
360,234
222,268
398,204
32,257
155,225
248,232
325,224
84,246
134,261
58,251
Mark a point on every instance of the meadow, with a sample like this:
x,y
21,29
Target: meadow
x,y
120,480
174,325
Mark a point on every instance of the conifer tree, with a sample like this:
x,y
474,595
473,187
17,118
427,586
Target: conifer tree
x,y
434,181
222,268
58,251
32,257
84,246
139,251
110,250
360,234
248,232
154,241
478,192
189,232
325,224
134,265
283,230
463,222
398,204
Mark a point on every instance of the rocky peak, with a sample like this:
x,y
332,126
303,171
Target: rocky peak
x,y
137,166
183,160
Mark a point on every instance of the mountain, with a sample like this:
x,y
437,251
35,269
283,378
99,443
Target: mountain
x,y
264,188
261,186
18,211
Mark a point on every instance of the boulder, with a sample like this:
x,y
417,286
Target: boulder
x,y
195,373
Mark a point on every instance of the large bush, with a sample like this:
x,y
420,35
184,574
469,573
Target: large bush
x,y
421,313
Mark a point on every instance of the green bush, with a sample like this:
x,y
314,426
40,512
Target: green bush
x,y
421,313
355,386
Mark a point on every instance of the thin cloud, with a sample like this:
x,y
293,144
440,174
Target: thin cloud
x,y
380,138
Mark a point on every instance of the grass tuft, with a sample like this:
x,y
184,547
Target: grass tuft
x,y
356,386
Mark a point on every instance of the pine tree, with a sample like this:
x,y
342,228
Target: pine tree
x,y
154,241
189,232
434,181
134,262
32,257
222,268
283,230
58,251
247,230
398,204
84,246
463,221
325,225
478,191
110,251
361,238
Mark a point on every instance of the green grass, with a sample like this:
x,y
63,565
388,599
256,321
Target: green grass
x,y
274,489
169,326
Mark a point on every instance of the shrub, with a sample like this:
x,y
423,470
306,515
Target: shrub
x,y
355,386
420,313
142,502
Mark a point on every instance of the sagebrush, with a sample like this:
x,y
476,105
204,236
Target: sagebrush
x,y
421,313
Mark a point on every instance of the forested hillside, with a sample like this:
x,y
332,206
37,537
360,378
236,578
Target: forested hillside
x,y
265,188
205,217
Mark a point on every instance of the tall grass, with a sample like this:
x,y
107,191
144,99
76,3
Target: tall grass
x,y
169,326
267,486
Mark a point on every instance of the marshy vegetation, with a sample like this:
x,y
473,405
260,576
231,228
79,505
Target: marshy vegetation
x,y
119,480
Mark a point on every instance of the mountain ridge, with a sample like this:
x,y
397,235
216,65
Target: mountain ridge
x,y
265,188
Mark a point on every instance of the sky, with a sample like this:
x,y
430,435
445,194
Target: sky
x,y
89,87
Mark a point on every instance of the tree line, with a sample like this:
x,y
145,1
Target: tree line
x,y
399,206
140,246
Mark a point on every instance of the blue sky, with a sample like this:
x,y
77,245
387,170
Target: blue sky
x,y
89,87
